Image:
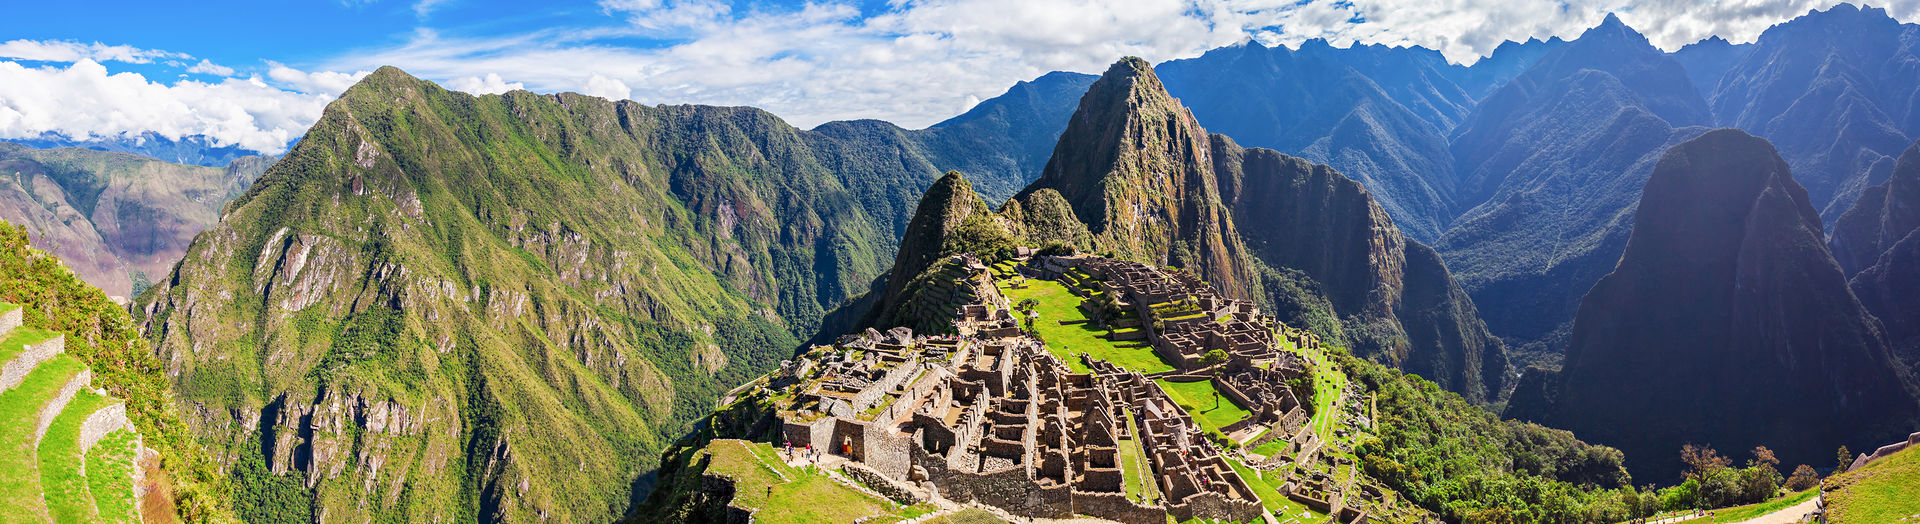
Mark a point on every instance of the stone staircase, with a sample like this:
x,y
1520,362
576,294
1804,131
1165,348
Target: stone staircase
x,y
67,451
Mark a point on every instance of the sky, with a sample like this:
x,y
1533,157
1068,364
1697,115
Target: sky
x,y
257,74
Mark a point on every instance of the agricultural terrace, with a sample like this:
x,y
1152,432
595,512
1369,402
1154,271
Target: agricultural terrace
x,y
784,494
1204,403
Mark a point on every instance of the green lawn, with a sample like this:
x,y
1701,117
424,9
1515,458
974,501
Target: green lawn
x,y
19,338
1888,490
20,499
784,494
110,476
1134,467
62,478
1197,398
1067,342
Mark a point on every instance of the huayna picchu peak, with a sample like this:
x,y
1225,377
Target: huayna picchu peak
x,y
960,262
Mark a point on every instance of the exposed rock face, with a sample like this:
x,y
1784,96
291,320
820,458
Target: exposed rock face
x,y
1727,323
1835,91
1398,301
1136,168
119,220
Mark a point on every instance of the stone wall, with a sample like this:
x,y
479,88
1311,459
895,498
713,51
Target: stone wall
x,y
32,355
1118,508
59,402
881,484
1884,451
102,422
9,321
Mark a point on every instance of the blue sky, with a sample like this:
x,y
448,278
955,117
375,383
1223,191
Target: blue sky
x,y
257,73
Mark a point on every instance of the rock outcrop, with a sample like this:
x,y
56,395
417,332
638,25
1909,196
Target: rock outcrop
x,y
1726,323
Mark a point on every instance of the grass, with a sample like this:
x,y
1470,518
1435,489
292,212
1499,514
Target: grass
x,y
783,494
1058,303
1887,490
1198,399
63,480
19,338
1751,511
967,516
20,499
110,476
1134,467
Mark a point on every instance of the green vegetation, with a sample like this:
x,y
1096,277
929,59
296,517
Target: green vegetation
x,y
1203,401
1887,490
1056,303
100,336
63,481
1752,511
1137,473
1464,463
21,338
20,486
781,494
110,467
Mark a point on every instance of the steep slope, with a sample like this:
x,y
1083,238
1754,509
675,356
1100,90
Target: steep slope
x,y
1837,91
118,219
1884,214
1134,166
503,307
1378,114
1151,185
951,220
1394,296
1004,142
1727,323
1506,61
74,358
1876,243
1556,160
1708,60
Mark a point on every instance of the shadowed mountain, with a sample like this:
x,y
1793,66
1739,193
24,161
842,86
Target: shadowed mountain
x,y
1378,114
1725,323
119,220
1878,243
196,150
1837,91
1557,158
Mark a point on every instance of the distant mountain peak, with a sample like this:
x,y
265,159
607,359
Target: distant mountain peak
x,y
1612,29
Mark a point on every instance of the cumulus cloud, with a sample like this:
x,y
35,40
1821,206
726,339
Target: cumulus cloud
x,y
487,85
604,87
59,51
85,101
210,68
324,82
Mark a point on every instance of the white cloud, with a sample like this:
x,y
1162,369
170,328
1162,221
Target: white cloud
x,y
84,101
604,87
325,82
60,51
210,68
488,85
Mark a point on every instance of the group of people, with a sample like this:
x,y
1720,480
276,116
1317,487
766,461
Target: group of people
x,y
808,452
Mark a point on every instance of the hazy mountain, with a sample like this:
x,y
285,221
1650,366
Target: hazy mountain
x,y
1708,60
1726,323
1837,91
1378,114
119,220
1506,61
1556,159
192,150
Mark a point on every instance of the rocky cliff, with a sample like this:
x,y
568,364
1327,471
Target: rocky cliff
x,y
1875,242
1726,323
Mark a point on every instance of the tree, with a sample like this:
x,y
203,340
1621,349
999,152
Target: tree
x,y
1029,304
1845,459
1214,358
1702,461
1803,477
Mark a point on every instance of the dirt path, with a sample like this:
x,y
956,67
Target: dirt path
x,y
1788,514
